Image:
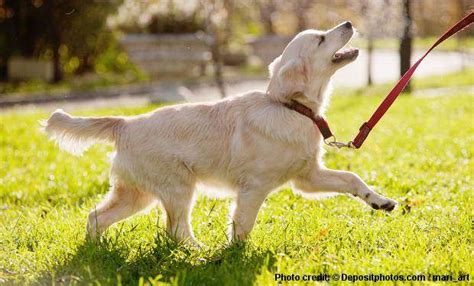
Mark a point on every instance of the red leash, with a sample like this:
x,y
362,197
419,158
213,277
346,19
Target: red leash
x,y
388,101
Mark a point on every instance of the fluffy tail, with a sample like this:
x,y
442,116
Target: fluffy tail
x,y
76,134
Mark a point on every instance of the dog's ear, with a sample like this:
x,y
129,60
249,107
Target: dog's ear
x,y
293,73
286,79
274,66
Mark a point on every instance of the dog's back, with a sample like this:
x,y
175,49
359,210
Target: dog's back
x,y
221,141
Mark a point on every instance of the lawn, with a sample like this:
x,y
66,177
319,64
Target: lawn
x,y
449,45
420,155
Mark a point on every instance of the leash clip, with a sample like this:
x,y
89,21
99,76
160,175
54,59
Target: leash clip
x,y
335,144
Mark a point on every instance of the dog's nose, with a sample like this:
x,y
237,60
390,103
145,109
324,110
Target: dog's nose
x,y
348,25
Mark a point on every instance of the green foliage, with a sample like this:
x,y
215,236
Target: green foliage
x,y
176,24
88,37
420,155
111,68
113,60
167,24
69,32
171,17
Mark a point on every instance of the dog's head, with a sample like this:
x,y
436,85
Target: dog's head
x,y
309,60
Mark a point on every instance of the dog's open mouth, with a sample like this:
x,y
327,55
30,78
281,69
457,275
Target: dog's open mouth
x,y
345,54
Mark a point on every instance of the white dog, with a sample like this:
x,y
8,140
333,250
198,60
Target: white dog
x,y
251,144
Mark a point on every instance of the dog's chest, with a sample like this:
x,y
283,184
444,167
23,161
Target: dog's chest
x,y
259,153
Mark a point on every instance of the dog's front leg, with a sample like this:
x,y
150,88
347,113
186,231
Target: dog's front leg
x,y
247,205
321,179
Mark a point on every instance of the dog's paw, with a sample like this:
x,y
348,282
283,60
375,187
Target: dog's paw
x,y
194,244
385,204
91,230
199,245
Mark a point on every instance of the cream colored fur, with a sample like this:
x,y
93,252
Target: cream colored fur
x,y
251,144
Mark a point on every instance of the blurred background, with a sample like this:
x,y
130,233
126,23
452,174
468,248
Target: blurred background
x,y
169,50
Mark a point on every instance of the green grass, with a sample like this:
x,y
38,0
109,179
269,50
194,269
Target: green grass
x,y
457,79
452,44
420,155
460,79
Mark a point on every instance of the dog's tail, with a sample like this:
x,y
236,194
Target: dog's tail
x,y
76,134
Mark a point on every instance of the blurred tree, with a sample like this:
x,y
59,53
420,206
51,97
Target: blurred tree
x,y
373,15
267,9
54,29
406,40
7,26
160,16
366,8
212,17
463,8
217,12
300,9
88,36
435,16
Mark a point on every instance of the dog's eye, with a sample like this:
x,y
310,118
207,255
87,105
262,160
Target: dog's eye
x,y
321,40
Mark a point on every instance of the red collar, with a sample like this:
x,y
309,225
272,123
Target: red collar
x,y
308,112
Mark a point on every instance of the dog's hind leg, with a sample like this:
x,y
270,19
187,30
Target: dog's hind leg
x,y
119,204
245,212
178,203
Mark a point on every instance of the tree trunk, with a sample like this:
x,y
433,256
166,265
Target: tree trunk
x,y
302,6
215,47
56,39
266,10
217,62
462,9
406,41
370,48
301,18
85,65
58,73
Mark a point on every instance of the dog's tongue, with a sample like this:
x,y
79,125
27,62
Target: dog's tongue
x,y
345,54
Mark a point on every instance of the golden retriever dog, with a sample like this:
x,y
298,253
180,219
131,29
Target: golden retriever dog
x,y
250,144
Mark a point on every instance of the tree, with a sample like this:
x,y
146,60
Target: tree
x,y
406,40
365,8
216,13
373,16
266,9
44,28
300,8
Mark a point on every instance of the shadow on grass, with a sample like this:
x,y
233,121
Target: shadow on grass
x,y
108,262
